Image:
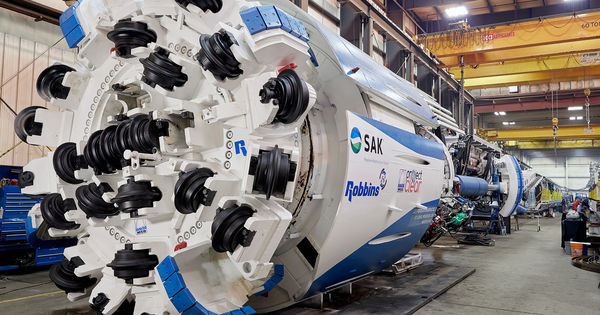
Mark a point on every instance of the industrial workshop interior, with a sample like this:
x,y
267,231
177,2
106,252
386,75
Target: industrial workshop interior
x,y
299,157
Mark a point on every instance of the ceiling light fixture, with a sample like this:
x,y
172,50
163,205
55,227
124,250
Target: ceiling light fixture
x,y
575,108
502,113
505,123
457,11
572,118
512,123
579,117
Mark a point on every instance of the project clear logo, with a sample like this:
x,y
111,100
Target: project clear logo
x,y
355,140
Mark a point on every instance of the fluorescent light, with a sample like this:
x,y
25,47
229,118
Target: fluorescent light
x,y
572,118
505,123
496,113
512,123
575,108
502,113
457,11
579,117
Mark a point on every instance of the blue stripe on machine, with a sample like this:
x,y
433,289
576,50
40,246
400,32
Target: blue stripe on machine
x,y
520,176
374,258
410,140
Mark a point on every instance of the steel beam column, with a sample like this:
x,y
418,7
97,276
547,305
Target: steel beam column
x,y
35,10
367,35
303,4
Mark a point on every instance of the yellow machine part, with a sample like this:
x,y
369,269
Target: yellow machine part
x,y
595,193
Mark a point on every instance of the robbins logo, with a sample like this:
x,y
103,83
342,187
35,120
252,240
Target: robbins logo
x,y
410,181
355,140
363,189
371,144
382,179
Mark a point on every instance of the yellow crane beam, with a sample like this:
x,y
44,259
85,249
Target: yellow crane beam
x,y
551,63
476,58
567,74
540,37
542,133
549,144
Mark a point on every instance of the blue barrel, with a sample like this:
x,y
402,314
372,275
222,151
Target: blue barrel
x,y
472,186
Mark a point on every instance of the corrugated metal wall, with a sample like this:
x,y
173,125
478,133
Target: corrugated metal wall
x,y
566,167
18,48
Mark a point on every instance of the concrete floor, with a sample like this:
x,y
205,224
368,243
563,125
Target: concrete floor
x,y
32,292
525,273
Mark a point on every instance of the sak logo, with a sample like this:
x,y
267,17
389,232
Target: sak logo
x,y
355,140
371,144
361,190
410,181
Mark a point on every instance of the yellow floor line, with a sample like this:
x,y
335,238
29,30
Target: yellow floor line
x,y
30,297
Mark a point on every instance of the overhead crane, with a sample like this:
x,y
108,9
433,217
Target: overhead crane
x,y
526,52
520,104
533,65
549,144
542,133
570,67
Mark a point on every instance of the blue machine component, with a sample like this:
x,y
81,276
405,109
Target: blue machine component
x,y
181,297
472,186
521,210
269,16
313,58
266,17
254,22
70,26
19,244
